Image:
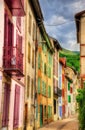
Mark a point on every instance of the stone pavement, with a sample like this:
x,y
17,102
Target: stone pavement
x,y
65,124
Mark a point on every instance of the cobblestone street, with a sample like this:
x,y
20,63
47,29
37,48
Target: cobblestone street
x,y
65,124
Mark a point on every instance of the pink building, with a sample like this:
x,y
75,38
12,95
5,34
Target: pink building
x,y
11,65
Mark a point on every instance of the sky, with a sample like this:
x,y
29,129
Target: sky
x,y
59,20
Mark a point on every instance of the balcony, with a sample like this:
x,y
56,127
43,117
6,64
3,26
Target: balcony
x,y
13,61
16,7
57,91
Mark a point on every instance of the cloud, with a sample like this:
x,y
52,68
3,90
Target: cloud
x,y
56,20
61,14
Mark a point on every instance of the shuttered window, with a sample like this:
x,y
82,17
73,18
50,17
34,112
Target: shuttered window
x,y
39,61
39,82
71,89
30,23
69,98
28,85
36,111
68,86
49,111
49,72
33,58
6,100
32,88
43,88
29,51
49,91
16,106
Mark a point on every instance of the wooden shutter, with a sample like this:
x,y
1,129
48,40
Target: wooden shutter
x,y
69,98
5,115
16,105
71,90
39,85
68,86
39,60
9,33
6,30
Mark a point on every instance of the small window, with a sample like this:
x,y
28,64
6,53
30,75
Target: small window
x,y
30,23
28,85
29,51
32,86
33,58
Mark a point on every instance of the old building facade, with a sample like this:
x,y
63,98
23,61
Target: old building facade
x,y
80,28
12,74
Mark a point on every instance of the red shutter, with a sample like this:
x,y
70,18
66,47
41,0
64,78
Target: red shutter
x,y
71,90
9,33
16,105
5,115
6,30
63,93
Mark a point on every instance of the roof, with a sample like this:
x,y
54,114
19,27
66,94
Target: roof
x,y
62,61
79,14
56,43
77,20
37,9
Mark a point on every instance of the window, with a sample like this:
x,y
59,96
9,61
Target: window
x,y
69,98
68,86
49,59
45,111
49,72
49,111
16,106
45,68
39,82
28,85
43,88
49,91
33,58
54,106
30,23
39,61
29,51
5,114
34,31
32,88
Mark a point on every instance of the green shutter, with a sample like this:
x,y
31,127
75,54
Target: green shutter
x,y
42,87
39,80
36,111
39,60
69,98
49,91
68,86
49,72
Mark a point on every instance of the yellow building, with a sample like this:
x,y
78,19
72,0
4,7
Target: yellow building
x,y
44,85
33,15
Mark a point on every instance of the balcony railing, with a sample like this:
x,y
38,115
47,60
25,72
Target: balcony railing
x,y
57,91
16,7
13,61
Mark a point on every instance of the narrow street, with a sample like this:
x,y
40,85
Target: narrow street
x,y
65,124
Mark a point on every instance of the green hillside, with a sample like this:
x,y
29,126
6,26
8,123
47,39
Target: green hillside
x,y
72,58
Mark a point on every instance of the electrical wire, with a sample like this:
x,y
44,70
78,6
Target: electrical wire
x,y
46,24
